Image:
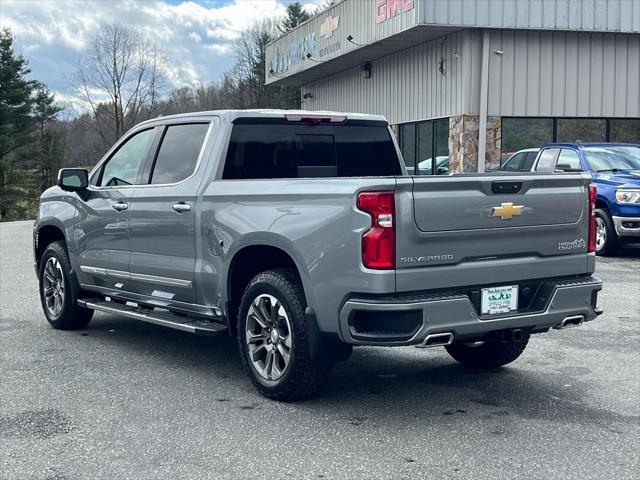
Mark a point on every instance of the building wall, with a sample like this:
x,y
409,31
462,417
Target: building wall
x,y
407,85
539,73
586,15
564,74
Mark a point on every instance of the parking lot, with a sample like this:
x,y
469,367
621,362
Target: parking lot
x,y
129,400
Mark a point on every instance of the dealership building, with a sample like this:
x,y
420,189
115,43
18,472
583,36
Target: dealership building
x,y
465,79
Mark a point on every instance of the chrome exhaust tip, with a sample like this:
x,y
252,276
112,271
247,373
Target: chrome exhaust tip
x,y
572,321
437,340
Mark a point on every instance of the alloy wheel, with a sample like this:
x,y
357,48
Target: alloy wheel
x,y
601,234
268,337
53,287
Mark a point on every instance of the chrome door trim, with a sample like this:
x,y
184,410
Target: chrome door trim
x,y
175,282
106,272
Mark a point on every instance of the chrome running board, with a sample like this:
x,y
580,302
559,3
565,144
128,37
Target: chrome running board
x,y
165,319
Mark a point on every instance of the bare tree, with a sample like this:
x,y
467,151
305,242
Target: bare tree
x,y
119,80
248,73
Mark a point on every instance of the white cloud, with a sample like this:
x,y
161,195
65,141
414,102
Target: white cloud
x,y
220,48
196,39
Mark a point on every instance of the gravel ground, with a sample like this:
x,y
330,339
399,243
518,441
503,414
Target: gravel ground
x,y
128,400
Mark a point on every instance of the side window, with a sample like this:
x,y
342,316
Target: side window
x,y
547,160
178,153
528,161
123,167
569,160
514,162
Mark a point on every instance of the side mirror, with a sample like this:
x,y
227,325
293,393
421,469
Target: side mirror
x,y
73,179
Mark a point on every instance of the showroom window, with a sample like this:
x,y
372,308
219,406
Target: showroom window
x,y
581,130
624,130
519,133
408,145
421,142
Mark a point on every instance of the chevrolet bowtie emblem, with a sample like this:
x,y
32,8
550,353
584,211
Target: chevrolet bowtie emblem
x,y
329,26
506,211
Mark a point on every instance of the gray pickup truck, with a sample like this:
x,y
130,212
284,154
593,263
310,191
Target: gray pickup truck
x,y
300,234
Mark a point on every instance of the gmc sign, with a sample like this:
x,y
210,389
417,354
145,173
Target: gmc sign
x,y
386,9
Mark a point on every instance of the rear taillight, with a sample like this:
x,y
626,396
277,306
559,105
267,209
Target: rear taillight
x,y
379,241
593,193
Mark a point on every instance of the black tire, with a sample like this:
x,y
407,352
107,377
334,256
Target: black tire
x,y
70,315
490,354
301,377
611,243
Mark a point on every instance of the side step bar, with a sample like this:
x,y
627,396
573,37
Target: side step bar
x,y
165,319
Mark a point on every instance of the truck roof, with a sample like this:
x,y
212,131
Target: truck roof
x,y
589,144
231,115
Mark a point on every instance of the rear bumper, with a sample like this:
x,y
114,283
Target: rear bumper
x,y
409,319
627,226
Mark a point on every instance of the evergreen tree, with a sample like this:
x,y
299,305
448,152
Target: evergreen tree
x,y
16,101
31,140
48,143
295,16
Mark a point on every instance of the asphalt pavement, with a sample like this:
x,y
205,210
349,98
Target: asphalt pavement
x,y
129,400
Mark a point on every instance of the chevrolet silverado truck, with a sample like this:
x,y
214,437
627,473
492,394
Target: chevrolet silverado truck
x,y
301,235
615,172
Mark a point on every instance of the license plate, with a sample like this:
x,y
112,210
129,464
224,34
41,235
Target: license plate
x,y
499,299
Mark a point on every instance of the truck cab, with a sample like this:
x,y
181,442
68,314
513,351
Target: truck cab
x,y
615,171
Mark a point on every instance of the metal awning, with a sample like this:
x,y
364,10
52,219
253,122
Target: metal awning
x,y
359,55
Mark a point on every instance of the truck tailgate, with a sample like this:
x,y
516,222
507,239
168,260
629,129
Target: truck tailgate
x,y
490,229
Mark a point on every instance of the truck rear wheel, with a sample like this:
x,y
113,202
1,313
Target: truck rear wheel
x,y
272,337
489,354
58,294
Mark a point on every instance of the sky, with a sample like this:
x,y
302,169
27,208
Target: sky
x,y
196,37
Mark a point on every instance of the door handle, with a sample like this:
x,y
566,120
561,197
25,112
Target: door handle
x,y
120,206
181,207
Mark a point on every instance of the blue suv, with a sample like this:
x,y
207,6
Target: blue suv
x,y
615,170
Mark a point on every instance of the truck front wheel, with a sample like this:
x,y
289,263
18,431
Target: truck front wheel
x,y
606,238
272,337
58,293
489,354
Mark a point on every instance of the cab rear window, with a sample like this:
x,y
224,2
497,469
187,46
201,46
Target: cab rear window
x,y
267,150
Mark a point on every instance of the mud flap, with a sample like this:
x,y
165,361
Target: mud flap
x,y
321,348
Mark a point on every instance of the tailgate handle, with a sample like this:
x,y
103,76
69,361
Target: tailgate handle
x,y
499,187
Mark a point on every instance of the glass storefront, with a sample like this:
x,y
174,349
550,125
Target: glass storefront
x,y
519,133
579,130
624,130
421,142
